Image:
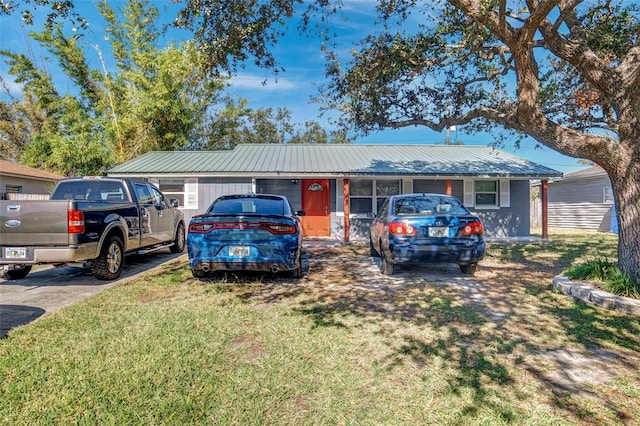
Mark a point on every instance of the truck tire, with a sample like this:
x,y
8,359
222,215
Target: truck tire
x,y
17,274
109,265
178,242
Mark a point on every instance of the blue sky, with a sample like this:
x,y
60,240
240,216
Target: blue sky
x,y
303,61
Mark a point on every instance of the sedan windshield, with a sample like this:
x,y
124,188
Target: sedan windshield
x,y
248,206
428,206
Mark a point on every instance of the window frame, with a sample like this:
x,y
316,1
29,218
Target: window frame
x,y
376,200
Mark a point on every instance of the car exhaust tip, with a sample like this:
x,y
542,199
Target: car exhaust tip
x,y
275,268
205,267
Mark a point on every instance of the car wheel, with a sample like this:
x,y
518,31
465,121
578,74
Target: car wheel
x,y
19,273
297,272
469,268
178,242
386,266
372,250
198,273
109,265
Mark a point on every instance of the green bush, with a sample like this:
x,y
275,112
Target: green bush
x,y
609,274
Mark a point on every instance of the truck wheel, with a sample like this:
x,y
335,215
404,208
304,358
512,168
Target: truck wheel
x,y
19,273
178,242
109,265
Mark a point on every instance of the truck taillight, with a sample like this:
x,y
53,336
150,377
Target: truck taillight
x,y
473,228
75,221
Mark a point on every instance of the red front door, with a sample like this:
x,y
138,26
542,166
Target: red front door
x,y
316,203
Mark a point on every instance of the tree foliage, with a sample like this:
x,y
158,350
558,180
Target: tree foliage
x,y
151,97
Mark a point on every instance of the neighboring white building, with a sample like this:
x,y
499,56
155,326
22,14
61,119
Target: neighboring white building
x,y
581,200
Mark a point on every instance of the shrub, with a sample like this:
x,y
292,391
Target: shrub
x,y
609,274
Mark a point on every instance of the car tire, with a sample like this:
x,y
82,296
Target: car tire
x,y
297,272
179,241
372,250
198,273
17,274
110,263
469,268
386,266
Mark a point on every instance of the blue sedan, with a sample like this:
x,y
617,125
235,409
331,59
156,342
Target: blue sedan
x,y
246,233
430,228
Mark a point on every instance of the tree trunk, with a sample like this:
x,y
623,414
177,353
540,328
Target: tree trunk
x,y
626,188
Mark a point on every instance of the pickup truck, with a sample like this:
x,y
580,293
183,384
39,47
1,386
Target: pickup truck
x,y
94,220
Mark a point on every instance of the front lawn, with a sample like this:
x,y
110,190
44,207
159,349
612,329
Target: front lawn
x,y
344,345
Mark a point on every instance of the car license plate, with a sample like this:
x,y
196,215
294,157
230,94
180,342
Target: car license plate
x,y
239,251
438,231
15,253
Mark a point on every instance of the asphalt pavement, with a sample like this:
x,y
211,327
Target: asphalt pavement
x,y
47,289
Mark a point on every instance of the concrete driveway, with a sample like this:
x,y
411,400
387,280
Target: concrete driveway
x,y
47,289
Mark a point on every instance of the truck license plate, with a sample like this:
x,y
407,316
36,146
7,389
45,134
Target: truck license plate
x,y
15,253
239,251
438,231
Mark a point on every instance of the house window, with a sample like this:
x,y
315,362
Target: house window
x,y
184,190
607,195
367,195
486,193
13,189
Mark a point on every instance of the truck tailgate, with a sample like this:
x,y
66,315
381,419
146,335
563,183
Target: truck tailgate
x,y
34,222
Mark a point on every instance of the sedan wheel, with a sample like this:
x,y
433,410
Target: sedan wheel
x,y
372,250
469,268
386,266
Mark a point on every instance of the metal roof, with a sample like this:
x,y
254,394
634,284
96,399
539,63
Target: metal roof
x,y
262,160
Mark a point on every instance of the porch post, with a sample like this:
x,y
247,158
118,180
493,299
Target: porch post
x,y
449,187
545,209
345,208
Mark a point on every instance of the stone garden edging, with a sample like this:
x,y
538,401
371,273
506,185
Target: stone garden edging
x,y
592,296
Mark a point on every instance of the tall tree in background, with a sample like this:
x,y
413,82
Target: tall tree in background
x,y
154,98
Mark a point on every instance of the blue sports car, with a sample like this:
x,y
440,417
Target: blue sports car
x,y
415,228
246,233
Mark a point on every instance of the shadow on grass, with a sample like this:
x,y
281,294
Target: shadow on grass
x,y
494,332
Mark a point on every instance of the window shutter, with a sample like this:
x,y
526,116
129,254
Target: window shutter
x,y
468,199
505,193
191,193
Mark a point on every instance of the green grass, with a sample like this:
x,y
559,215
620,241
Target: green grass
x,y
326,350
609,274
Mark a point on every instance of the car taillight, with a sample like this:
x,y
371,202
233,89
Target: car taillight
x,y
473,228
401,228
200,228
75,222
276,228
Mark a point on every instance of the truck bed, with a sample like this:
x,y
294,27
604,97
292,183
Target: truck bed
x,y
34,222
